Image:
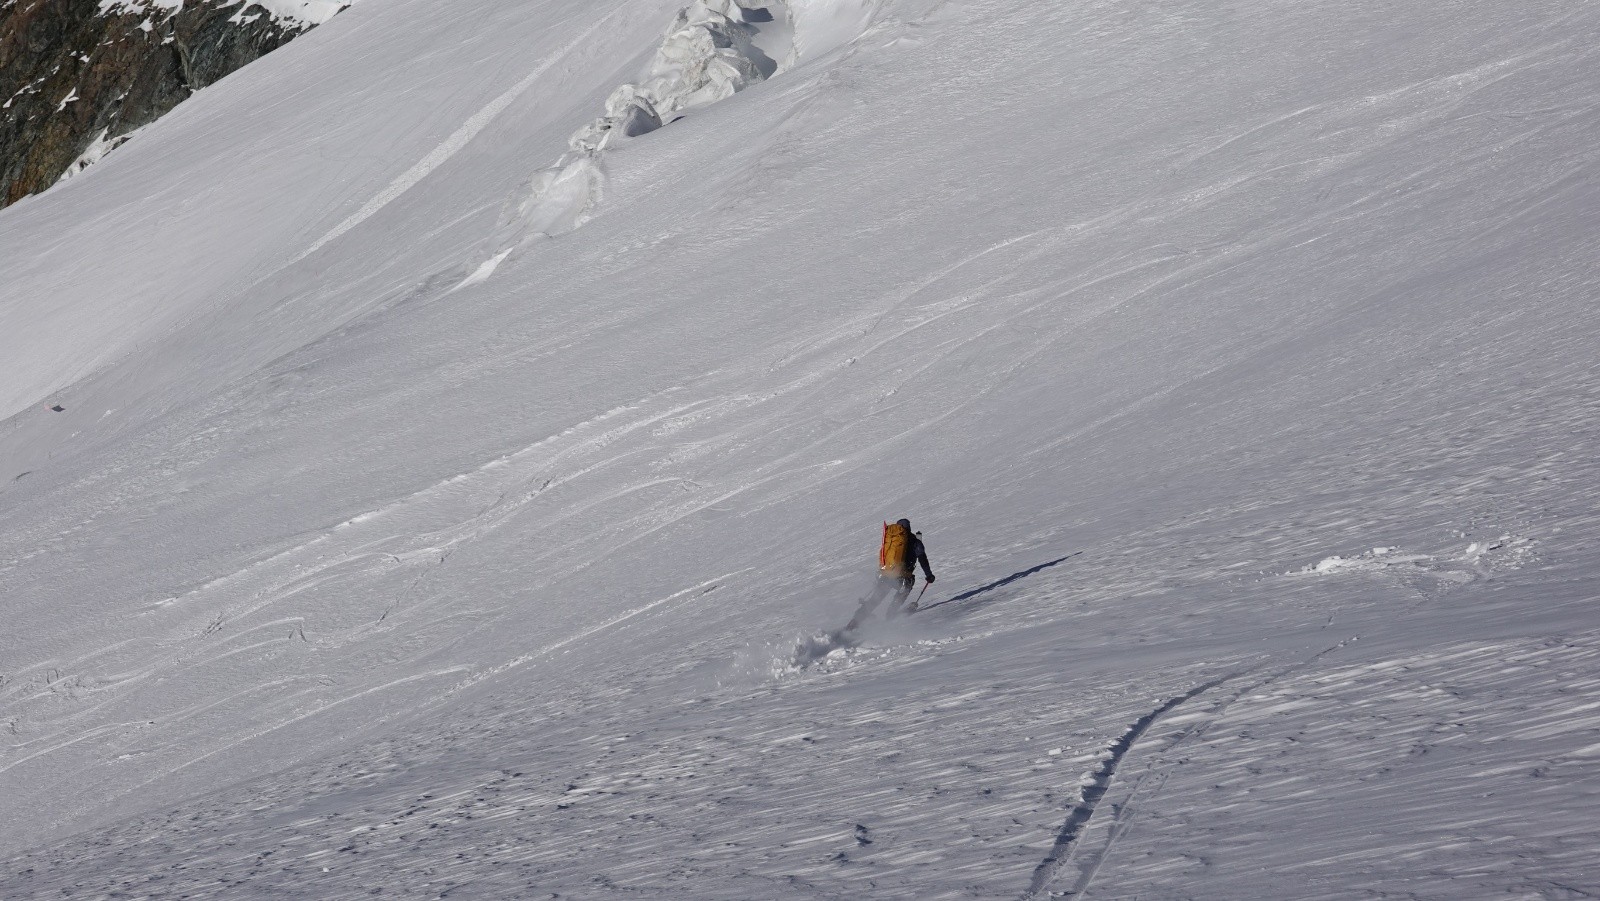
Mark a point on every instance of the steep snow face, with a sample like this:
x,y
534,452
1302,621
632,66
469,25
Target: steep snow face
x,y
826,25
1235,361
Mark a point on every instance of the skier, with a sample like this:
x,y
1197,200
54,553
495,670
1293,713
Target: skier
x,y
898,558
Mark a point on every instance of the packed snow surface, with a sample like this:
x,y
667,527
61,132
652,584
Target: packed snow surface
x,y
435,459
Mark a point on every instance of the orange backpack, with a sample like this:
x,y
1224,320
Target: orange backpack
x,y
892,555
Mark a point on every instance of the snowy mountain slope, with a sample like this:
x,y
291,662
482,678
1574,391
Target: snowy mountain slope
x,y
340,574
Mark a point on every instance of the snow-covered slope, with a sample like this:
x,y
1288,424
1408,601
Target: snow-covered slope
x,y
436,506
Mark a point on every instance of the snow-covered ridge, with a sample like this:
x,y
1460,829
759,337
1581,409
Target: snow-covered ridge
x,y
301,12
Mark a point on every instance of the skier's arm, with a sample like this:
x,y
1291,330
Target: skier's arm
x,y
922,558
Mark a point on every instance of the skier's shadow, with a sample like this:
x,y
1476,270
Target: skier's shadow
x,y
1001,582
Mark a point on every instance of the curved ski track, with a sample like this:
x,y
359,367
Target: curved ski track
x,y
1100,781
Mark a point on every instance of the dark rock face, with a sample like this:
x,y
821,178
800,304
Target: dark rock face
x,y
71,74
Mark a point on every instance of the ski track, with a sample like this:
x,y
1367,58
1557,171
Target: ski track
x,y
1409,719
1098,782
1067,848
336,824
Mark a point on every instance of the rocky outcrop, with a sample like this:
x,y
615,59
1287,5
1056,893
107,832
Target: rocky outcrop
x,y
77,76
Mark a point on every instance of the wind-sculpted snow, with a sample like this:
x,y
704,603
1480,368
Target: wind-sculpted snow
x,y
1243,389
709,53
1479,560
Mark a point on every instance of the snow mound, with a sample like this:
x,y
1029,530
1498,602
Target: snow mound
x,y
1476,561
1376,560
708,54
629,113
